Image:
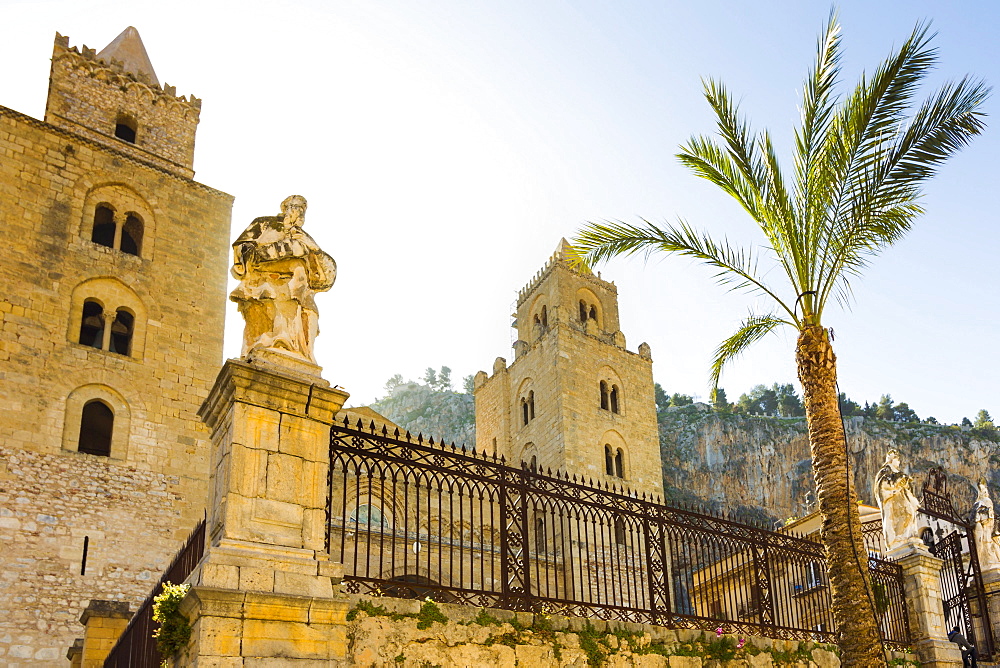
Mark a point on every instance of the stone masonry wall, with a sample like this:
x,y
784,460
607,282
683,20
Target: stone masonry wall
x,y
562,365
386,632
86,95
48,504
138,504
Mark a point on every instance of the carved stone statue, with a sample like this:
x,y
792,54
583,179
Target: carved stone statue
x,y
898,504
984,519
280,269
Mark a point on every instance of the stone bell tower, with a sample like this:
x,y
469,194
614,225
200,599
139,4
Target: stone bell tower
x,y
111,326
574,398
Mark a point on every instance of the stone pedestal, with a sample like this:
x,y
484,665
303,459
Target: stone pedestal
x,y
922,585
104,621
265,588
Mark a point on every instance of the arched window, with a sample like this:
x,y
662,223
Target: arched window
x,y
104,226
96,427
122,220
538,320
534,463
121,332
92,325
609,460
545,317
540,542
126,128
368,515
604,395
131,242
524,410
613,396
583,311
531,405
593,313
620,463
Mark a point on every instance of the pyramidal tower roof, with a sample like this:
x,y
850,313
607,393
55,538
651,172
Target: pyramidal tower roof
x,y
571,256
129,50
565,255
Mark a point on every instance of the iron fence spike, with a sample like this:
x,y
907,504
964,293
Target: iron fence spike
x,y
372,427
360,426
385,431
431,441
408,436
395,433
420,437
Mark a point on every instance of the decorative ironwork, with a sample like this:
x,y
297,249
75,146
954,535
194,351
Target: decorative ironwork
x,y
936,500
136,647
962,591
873,537
890,603
416,519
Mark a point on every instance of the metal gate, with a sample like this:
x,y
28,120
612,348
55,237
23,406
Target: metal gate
x,y
962,592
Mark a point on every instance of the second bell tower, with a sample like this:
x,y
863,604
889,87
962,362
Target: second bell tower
x,y
574,399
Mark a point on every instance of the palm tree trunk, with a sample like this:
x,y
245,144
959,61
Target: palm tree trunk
x,y
859,640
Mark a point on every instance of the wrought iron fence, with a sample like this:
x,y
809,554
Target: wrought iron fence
x,y
136,647
415,519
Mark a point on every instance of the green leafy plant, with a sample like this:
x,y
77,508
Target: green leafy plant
x,y
429,613
175,630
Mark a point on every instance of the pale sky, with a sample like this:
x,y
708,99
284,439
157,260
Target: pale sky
x,y
446,147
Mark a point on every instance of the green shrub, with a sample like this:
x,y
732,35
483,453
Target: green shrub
x,y
175,630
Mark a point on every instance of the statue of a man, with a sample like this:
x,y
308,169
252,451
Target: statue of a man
x,y
896,500
280,269
984,519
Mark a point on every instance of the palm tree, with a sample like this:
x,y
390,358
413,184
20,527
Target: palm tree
x,y
855,188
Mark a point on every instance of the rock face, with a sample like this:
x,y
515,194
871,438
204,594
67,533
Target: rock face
x,y
762,465
447,416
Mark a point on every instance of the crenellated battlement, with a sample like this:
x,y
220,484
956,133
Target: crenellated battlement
x,y
113,97
565,256
113,73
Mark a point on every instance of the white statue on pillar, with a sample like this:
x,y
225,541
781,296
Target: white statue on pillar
x,y
984,519
897,502
280,269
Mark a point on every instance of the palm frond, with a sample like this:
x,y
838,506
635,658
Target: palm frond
x,y
751,330
735,267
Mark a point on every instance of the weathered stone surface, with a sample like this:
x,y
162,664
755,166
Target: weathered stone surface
x,y
382,640
548,403
137,505
760,463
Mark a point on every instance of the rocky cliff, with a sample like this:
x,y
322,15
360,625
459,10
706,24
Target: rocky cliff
x,y
446,415
762,465
757,466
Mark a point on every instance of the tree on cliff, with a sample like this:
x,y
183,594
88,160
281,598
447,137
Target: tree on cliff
x,y
855,187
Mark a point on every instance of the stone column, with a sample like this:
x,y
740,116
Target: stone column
x,y
991,583
266,574
922,586
104,622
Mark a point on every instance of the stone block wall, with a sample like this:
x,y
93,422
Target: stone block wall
x,y
86,96
137,505
383,632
